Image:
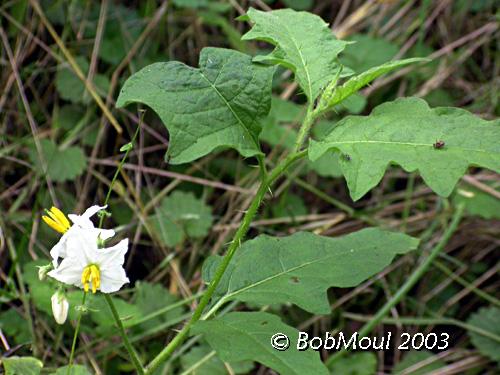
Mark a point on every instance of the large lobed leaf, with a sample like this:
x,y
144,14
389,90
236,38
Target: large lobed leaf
x,y
240,336
405,132
300,268
219,104
304,44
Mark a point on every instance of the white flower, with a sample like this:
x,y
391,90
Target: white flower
x,y
60,306
87,265
57,221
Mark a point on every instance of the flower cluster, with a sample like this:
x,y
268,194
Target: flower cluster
x,y
80,258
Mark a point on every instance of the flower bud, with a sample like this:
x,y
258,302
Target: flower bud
x,y
43,270
60,307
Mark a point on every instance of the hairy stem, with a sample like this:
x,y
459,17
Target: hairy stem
x,y
305,128
235,244
417,274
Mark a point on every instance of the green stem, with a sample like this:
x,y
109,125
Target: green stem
x,y
118,170
133,355
126,341
410,282
235,244
304,129
75,336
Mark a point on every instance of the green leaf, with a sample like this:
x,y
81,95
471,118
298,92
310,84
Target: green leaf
x,y
304,44
327,165
22,365
300,268
71,88
15,326
150,298
477,202
101,315
240,336
201,360
219,104
355,364
488,319
414,358
335,94
123,26
62,164
405,132
75,370
181,215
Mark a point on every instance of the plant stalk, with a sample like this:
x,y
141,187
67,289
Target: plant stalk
x,y
235,244
75,336
126,341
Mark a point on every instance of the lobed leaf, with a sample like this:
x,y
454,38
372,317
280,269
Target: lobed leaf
x,y
181,215
240,336
62,164
336,94
219,104
405,132
304,44
300,268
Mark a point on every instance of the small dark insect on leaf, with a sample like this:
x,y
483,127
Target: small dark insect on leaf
x,y
346,157
439,144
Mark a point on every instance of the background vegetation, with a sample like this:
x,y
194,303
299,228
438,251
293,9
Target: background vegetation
x,y
178,215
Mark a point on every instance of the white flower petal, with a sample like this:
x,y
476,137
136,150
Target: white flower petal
x,y
114,256
113,279
68,272
59,249
84,219
92,210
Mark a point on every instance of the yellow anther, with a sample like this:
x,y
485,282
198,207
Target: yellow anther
x,y
56,220
92,275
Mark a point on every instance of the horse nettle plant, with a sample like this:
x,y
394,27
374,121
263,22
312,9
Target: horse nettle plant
x,y
222,104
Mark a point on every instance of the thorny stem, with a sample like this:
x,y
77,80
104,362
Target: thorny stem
x,y
75,336
417,274
266,183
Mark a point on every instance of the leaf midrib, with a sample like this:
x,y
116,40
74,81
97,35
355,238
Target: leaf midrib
x,y
309,83
427,145
228,296
242,124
